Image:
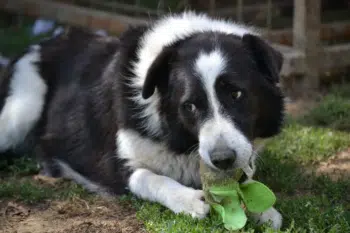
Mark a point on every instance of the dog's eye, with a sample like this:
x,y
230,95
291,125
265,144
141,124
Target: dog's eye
x,y
189,107
236,95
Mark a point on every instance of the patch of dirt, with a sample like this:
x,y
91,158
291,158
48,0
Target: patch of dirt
x,y
337,167
47,180
299,108
74,216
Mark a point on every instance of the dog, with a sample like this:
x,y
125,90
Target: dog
x,y
137,113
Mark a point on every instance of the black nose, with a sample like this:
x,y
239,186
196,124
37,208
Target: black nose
x,y
223,159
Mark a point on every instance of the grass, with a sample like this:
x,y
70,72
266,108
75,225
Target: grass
x,y
15,37
17,183
333,111
304,144
309,203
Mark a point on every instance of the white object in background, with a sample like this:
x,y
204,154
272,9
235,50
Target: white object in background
x,y
42,26
58,31
4,61
101,32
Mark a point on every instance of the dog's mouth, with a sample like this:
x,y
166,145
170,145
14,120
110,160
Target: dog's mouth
x,y
249,170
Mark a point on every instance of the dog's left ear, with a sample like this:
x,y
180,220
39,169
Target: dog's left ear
x,y
268,59
158,74
271,110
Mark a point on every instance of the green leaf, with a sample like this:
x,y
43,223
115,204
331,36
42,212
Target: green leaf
x,y
229,209
231,213
235,217
257,197
224,190
219,209
218,193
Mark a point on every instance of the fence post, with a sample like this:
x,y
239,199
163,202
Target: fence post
x,y
212,6
239,12
306,37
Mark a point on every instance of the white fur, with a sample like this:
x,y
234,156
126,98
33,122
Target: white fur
x,y
168,192
141,152
24,104
271,215
165,32
68,173
218,129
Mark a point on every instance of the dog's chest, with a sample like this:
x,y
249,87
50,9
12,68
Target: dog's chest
x,y
141,152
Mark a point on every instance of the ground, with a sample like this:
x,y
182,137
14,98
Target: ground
x,y
75,215
307,166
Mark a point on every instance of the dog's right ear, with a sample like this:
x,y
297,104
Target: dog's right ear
x,y
158,74
268,59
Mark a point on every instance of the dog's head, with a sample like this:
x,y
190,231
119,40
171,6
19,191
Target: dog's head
x,y
222,90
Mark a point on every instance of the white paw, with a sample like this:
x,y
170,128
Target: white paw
x,y
189,201
271,215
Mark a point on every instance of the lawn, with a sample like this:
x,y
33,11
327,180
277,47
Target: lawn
x,y
293,164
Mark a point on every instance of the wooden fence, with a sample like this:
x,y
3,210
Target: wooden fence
x,y
300,44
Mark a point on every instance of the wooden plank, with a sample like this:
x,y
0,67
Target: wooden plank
x,y
212,7
329,32
134,9
248,8
239,10
306,38
332,57
73,15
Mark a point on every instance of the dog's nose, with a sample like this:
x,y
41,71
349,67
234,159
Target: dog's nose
x,y
223,159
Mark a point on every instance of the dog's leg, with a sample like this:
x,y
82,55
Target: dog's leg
x,y
271,215
168,192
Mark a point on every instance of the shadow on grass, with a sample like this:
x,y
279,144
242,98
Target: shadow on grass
x,y
333,111
313,203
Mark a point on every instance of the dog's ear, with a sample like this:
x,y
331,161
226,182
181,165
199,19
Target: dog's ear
x,y
158,74
270,102
268,59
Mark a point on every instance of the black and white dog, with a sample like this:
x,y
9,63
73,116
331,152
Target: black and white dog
x,y
138,112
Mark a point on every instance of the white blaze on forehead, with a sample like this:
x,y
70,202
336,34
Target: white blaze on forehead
x,y
218,129
209,66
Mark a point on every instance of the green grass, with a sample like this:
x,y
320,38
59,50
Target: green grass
x,y
30,191
304,144
17,183
333,111
16,37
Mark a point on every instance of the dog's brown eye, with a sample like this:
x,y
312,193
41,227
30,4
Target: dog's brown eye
x,y
189,107
236,95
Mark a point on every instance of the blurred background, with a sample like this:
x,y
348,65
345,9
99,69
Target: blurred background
x,y
313,35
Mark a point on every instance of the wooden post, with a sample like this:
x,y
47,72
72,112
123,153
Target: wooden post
x,y
239,12
306,37
269,18
212,6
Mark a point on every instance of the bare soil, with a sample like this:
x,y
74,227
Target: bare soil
x,y
74,216
300,107
337,167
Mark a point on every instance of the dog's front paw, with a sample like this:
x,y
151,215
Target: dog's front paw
x,y
271,215
189,201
